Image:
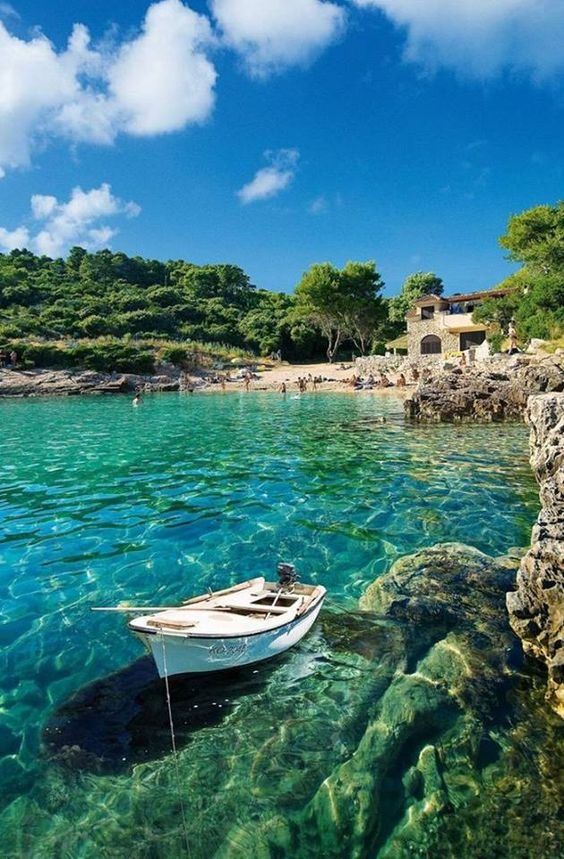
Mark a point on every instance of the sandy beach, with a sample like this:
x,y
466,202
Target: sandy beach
x,y
334,377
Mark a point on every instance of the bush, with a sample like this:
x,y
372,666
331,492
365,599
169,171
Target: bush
x,y
45,355
180,356
107,357
496,340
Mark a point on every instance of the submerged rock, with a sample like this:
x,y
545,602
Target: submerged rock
x,y
397,730
536,608
440,753
486,392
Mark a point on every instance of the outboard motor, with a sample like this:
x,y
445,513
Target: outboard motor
x,y
287,575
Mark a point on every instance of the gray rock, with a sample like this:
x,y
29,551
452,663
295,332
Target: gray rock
x,y
40,383
536,608
490,392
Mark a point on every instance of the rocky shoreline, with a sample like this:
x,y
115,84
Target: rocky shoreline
x,y
67,383
493,390
536,608
64,383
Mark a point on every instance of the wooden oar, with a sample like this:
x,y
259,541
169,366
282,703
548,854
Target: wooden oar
x,y
135,608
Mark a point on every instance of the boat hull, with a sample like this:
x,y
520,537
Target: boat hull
x,y
193,654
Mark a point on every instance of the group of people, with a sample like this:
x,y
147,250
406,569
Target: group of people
x,y
381,381
303,383
8,359
357,383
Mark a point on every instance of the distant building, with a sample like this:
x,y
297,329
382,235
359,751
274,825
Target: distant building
x,y
436,325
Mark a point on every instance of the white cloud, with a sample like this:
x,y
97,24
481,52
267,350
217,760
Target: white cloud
x,y
8,11
71,223
42,205
10,239
278,33
162,80
269,181
318,206
158,81
480,38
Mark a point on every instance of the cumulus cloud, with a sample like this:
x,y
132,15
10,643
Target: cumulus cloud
x,y
156,82
269,181
480,38
162,80
77,221
279,33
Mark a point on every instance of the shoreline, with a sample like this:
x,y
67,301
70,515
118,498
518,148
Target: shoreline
x,y
24,384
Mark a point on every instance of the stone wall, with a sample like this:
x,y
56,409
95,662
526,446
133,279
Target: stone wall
x,y
379,363
536,608
419,328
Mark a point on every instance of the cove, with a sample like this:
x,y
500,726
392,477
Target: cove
x,y
100,502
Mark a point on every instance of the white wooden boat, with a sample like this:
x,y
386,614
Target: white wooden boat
x,y
247,623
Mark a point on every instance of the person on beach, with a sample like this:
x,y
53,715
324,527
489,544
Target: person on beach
x,y
247,381
282,388
463,361
13,358
384,382
414,374
401,382
512,334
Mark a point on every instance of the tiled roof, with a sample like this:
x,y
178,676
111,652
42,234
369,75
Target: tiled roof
x,y
473,296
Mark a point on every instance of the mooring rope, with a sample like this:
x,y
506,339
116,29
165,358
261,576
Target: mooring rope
x,y
173,743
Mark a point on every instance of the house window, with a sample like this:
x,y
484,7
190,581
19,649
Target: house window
x,y
431,345
471,338
427,312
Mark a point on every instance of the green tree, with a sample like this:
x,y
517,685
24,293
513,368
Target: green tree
x,y
344,304
414,286
363,307
535,238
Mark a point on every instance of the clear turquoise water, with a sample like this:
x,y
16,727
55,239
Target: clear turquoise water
x,y
101,502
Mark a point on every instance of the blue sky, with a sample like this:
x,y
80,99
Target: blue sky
x,y
278,133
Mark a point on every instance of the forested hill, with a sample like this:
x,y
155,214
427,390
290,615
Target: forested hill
x,y
89,295
107,294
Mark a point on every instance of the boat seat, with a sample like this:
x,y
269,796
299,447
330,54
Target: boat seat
x,y
172,624
252,607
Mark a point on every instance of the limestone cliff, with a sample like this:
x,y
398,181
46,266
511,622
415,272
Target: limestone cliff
x,y
536,608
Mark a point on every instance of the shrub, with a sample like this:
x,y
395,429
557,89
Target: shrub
x,y
180,356
107,357
42,355
496,340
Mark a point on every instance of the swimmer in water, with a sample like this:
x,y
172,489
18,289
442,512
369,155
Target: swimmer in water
x,y
137,398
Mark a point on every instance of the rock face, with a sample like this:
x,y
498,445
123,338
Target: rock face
x,y
536,608
489,392
40,383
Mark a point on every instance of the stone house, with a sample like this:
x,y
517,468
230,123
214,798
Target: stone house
x,y
436,325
